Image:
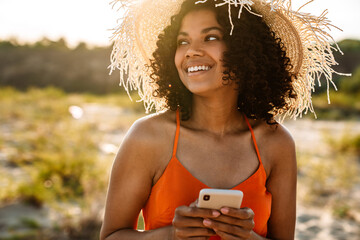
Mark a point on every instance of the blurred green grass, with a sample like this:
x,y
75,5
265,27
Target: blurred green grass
x,y
345,103
330,179
57,158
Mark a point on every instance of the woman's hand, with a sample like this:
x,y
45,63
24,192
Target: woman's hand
x,y
188,222
232,223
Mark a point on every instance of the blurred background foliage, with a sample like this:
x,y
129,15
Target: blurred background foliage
x,y
62,118
53,63
56,158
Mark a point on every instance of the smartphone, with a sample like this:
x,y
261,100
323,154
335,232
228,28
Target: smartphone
x,y
217,198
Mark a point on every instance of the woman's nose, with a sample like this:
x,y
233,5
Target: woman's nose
x,y
194,50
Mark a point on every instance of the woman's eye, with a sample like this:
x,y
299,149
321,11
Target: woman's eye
x,y
211,38
182,42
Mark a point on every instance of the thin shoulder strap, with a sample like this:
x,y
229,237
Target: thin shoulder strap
x,y
253,138
177,132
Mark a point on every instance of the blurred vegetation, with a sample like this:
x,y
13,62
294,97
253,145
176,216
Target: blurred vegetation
x,y
345,103
50,159
331,180
348,62
53,63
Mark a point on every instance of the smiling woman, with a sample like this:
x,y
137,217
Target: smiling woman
x,y
222,80
200,50
227,59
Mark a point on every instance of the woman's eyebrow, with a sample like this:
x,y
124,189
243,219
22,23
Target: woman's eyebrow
x,y
205,30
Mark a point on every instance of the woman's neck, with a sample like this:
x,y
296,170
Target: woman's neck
x,y
218,116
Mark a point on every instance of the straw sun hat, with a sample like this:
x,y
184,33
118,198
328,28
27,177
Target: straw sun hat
x,y
305,37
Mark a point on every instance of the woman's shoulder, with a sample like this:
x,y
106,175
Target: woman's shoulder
x,y
150,137
147,144
153,126
277,135
276,144
272,134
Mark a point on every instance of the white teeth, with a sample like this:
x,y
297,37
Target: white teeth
x,y
198,68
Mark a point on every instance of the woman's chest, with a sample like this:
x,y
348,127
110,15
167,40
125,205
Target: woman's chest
x,y
221,163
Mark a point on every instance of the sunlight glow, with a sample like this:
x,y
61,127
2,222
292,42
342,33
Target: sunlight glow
x,y
91,21
88,21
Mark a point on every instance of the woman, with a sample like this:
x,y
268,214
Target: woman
x,y
224,80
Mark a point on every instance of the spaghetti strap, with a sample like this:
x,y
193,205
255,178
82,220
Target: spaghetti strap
x,y
177,132
253,138
177,187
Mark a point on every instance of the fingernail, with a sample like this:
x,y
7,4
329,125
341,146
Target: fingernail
x,y
225,210
215,213
207,222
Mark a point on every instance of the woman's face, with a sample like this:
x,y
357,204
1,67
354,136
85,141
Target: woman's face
x,y
200,48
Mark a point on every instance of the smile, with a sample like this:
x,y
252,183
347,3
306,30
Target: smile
x,y
197,68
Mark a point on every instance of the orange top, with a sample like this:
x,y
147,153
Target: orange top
x,y
177,187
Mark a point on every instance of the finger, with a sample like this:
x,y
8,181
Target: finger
x,y
227,228
196,212
227,236
246,224
181,221
196,238
184,233
242,213
194,204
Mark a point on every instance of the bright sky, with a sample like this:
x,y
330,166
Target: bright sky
x,y
91,21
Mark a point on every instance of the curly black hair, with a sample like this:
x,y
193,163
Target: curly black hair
x,y
256,60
